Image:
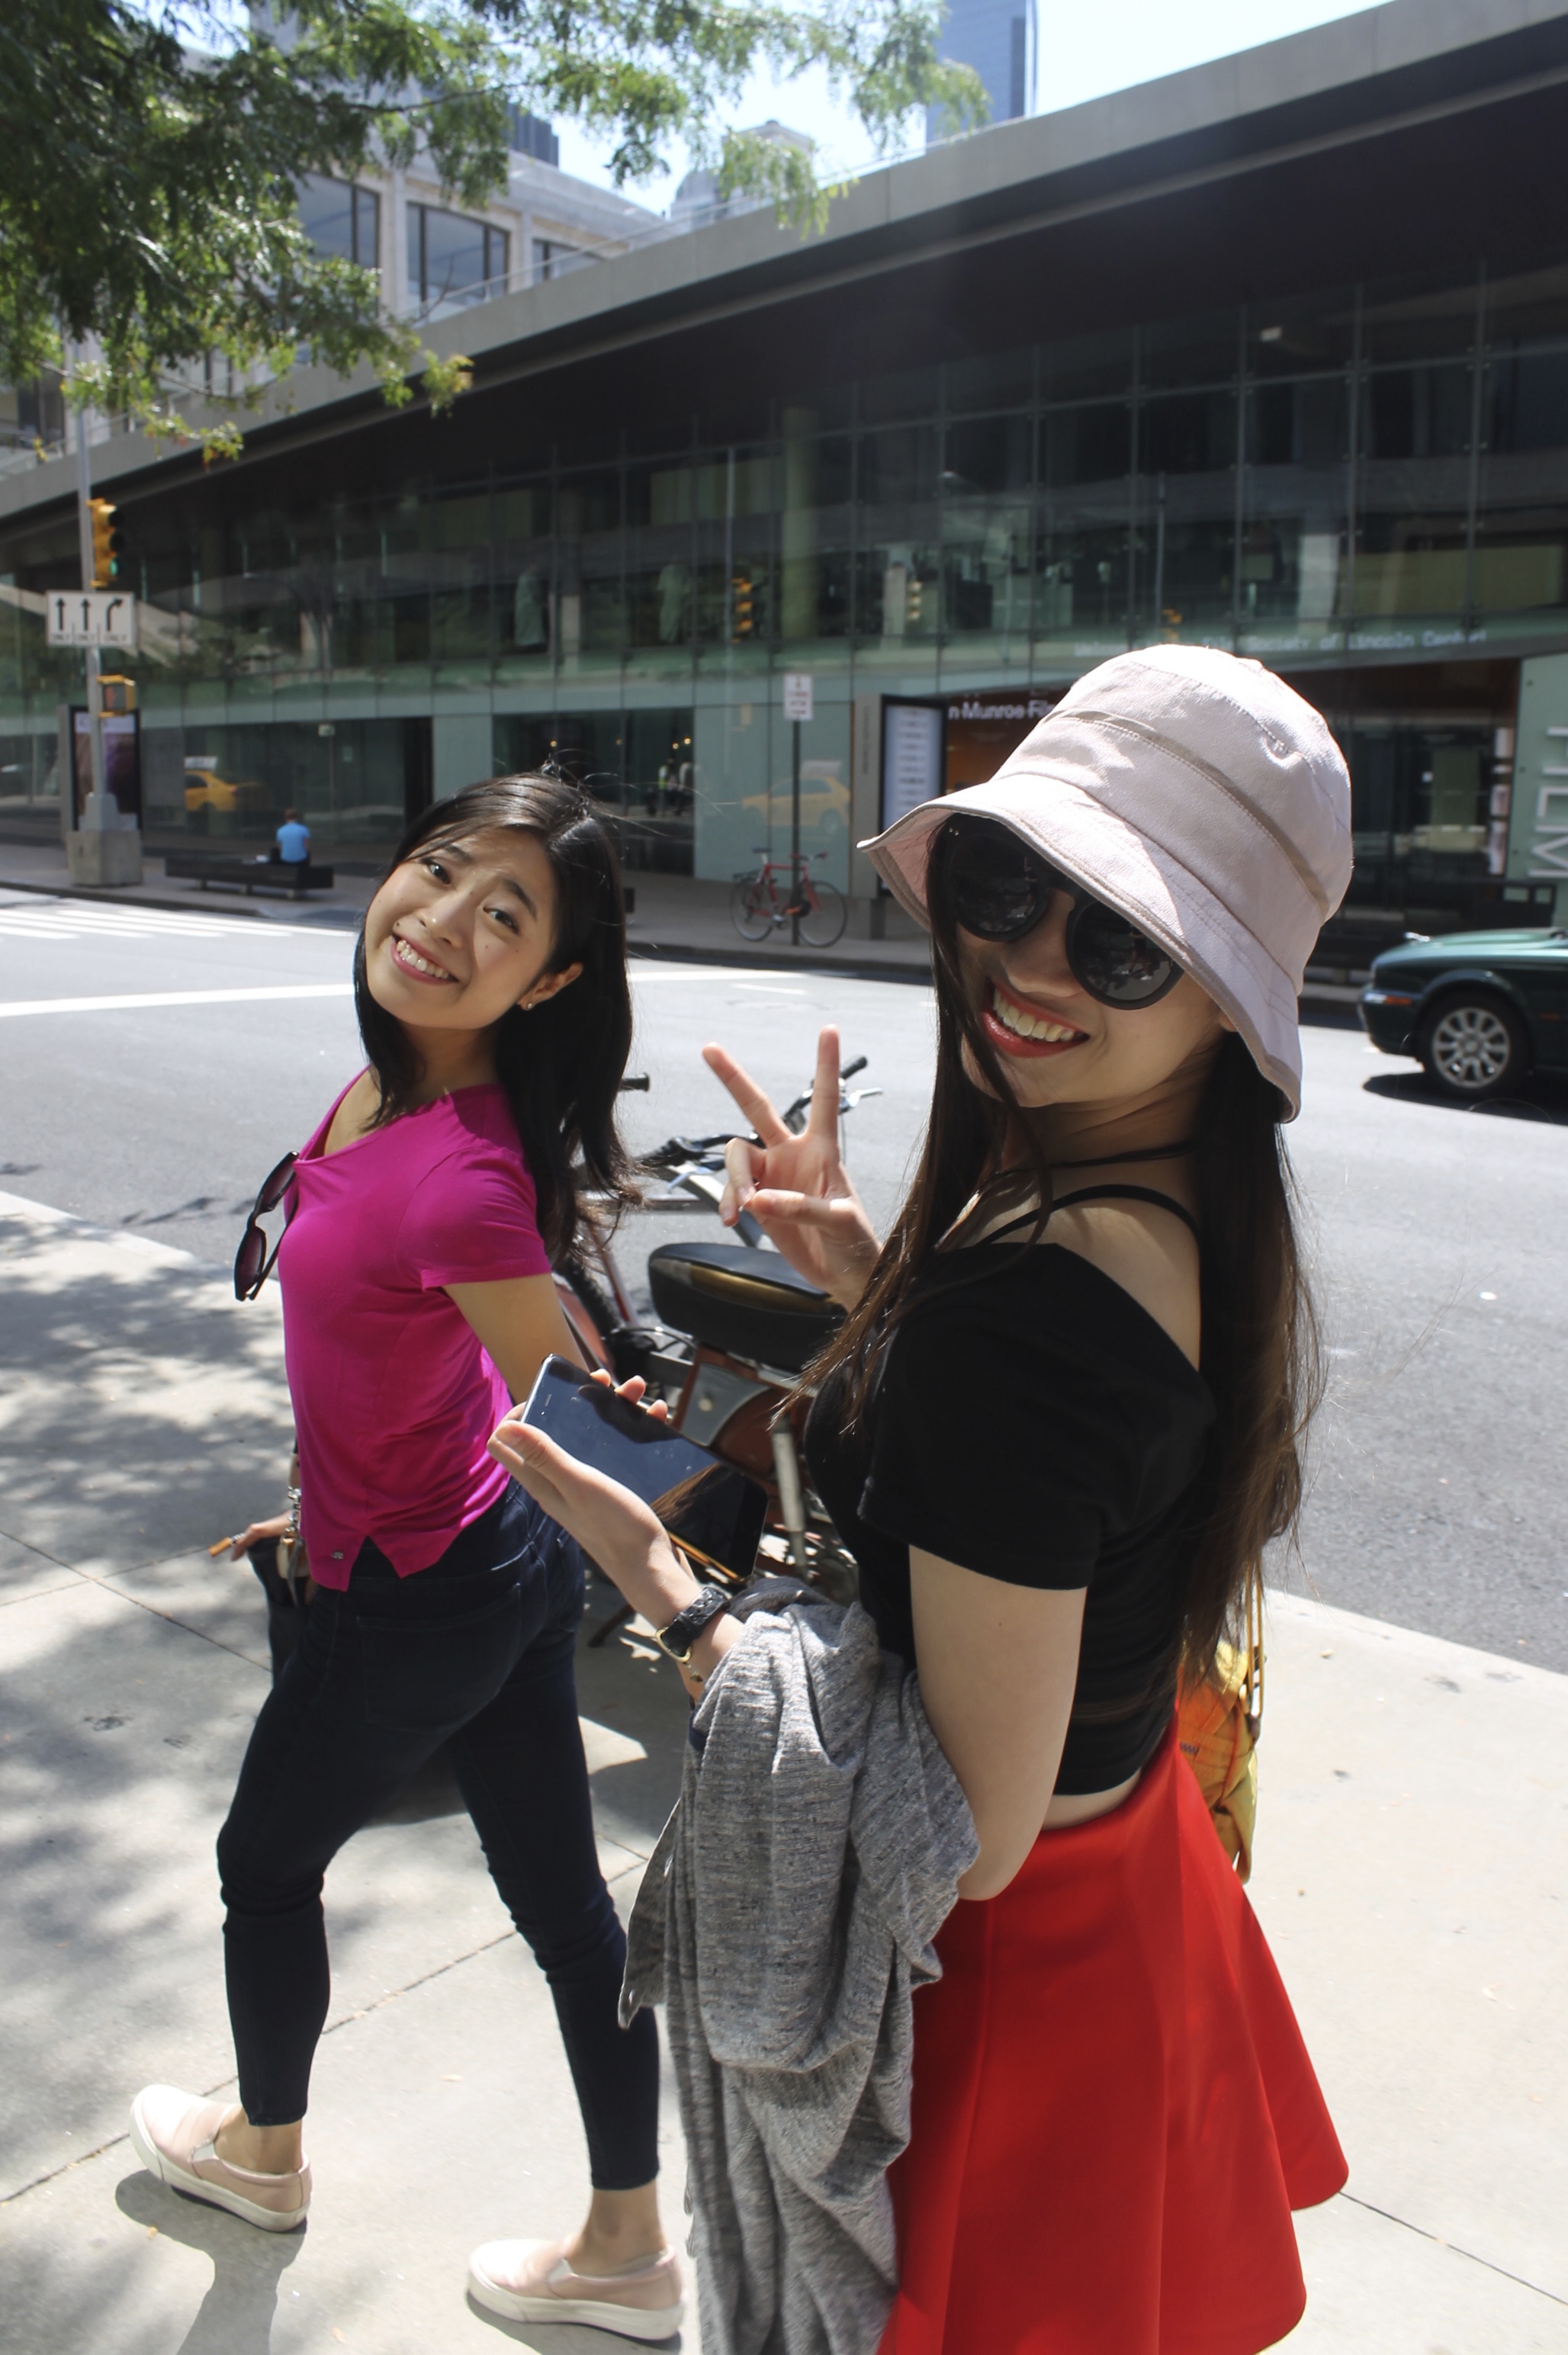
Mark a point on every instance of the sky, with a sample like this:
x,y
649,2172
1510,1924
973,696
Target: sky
x,y
1087,48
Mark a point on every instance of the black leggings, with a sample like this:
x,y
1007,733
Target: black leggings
x,y
475,1653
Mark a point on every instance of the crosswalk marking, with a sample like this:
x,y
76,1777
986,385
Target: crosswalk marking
x,y
66,920
127,1003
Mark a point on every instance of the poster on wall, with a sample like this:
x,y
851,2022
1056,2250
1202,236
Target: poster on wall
x,y
122,762
913,756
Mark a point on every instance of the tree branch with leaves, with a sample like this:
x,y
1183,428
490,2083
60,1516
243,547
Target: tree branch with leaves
x,y
150,161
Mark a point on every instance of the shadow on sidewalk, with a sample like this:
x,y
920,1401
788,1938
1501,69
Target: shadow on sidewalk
x,y
247,2266
146,1410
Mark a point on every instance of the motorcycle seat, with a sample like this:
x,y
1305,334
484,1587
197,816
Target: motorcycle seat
x,y
751,1303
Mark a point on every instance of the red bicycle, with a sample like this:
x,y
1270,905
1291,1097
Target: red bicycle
x,y
783,889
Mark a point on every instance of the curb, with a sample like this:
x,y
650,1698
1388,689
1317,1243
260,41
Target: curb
x,y
110,896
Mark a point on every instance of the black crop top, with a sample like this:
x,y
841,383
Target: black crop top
x,y
1031,1422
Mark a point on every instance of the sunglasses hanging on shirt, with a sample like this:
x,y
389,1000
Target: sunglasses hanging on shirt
x,y
252,1261
997,888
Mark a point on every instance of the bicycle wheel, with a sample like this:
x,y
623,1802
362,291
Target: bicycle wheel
x,y
824,915
751,909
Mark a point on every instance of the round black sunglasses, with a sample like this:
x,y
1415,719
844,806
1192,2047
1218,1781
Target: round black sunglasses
x,y
252,1261
998,889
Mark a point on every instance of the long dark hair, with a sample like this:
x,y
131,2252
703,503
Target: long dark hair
x,y
1260,1356
561,1063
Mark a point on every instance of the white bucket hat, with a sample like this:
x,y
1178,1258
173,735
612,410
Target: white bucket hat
x,y
1199,796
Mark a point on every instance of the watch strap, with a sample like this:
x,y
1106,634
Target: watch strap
x,y
677,1639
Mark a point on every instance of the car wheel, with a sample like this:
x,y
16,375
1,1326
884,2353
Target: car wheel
x,y
1473,1048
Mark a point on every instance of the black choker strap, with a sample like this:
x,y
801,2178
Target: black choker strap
x,y
1145,1153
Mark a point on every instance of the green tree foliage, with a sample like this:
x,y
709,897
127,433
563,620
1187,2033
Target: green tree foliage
x,y
149,156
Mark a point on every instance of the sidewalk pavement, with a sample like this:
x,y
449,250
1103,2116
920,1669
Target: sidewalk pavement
x,y
1412,1875
673,914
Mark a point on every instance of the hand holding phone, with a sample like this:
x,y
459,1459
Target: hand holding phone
x,y
612,1472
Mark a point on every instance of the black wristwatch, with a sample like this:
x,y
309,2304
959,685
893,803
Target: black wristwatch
x,y
684,1629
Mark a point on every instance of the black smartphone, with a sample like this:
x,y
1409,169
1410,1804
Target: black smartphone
x,y
711,1510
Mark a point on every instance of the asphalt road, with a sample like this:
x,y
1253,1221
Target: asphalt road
x,y
1437,1234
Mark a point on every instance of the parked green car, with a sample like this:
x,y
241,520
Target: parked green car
x,y
1480,1009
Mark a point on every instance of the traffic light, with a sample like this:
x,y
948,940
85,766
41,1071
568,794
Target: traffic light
x,y
744,624
108,545
116,697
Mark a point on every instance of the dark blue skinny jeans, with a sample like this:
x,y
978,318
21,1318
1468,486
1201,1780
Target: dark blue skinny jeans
x,y
475,1653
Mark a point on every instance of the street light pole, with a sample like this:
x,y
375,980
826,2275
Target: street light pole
x,y
795,841
798,706
95,816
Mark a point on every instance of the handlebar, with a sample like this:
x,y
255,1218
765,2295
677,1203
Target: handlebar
x,y
677,1152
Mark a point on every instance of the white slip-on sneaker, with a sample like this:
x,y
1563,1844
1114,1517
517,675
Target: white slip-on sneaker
x,y
173,2134
530,2281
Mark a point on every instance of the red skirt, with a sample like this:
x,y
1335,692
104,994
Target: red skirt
x,y
1114,2110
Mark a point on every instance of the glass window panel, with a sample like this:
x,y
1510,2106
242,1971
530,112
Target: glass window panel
x,y
341,219
1184,542
524,562
815,475
1521,561
897,585
1431,317
368,228
732,491
986,576
1202,349
660,568
1303,334
1082,542
997,381
405,583
1413,491
1530,307
913,393
989,454
1093,444
900,469
1188,433
453,259
657,791
1087,365
589,556
830,404
1296,490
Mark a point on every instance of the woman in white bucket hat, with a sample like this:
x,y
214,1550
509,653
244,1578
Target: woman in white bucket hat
x,y
1057,1428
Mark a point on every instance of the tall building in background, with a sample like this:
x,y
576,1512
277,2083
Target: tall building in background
x,y
998,38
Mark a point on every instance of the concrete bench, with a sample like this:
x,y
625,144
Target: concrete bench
x,y
246,875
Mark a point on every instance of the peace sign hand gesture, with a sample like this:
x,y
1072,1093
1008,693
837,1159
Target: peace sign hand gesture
x,y
797,1187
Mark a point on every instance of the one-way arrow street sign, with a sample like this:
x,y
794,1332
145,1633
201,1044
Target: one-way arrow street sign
x,y
92,617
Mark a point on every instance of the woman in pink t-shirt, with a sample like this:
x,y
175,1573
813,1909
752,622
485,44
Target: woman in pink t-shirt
x,y
425,1213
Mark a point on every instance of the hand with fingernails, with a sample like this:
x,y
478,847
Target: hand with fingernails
x,y
614,1528
797,1187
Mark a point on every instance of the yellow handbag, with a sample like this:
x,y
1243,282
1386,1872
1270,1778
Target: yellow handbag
x,y
1217,1729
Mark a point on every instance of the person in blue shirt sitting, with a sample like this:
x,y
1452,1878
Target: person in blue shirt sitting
x,y
294,840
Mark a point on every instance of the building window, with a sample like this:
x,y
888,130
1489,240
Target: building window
x,y
453,259
340,220
553,260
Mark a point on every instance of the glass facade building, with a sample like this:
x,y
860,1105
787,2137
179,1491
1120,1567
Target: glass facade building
x,y
1362,483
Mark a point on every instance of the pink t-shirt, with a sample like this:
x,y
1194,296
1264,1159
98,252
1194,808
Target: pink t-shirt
x,y
393,1396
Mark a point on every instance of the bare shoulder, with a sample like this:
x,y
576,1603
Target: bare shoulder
x,y
1150,1252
